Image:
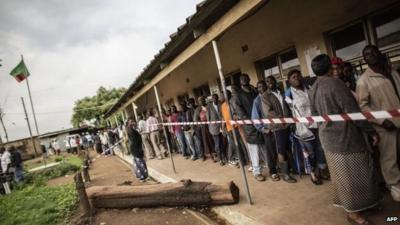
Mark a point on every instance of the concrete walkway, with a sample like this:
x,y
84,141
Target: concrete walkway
x,y
275,203
44,166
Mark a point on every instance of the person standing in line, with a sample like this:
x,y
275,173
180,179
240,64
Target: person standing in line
x,y
104,141
125,139
188,130
243,104
144,131
136,149
228,129
200,115
214,114
193,132
152,125
378,88
85,142
178,132
337,68
307,134
239,129
97,143
347,152
89,139
78,143
267,152
171,138
348,76
274,106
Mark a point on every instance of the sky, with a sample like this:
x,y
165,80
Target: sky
x,y
73,47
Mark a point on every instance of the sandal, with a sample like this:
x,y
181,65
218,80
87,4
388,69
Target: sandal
x,y
275,177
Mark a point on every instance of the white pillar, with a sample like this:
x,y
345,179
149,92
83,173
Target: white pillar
x,y
221,76
134,111
165,130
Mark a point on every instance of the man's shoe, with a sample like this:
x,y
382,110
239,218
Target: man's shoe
x,y
259,177
288,178
222,163
160,157
250,169
194,158
395,192
233,163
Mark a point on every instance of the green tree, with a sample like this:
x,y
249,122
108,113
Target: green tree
x,y
93,107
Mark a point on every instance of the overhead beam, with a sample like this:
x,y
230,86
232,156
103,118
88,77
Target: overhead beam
x,y
218,28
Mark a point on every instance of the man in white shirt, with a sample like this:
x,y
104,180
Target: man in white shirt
x,y
5,164
144,132
152,126
5,161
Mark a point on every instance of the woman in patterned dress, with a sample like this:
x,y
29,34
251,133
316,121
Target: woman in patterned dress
x,y
346,149
135,146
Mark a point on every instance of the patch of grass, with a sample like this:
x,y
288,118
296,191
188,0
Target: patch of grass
x,y
74,160
38,205
33,163
34,203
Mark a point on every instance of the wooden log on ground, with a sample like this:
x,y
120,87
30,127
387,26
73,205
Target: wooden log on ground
x,y
85,171
183,193
83,198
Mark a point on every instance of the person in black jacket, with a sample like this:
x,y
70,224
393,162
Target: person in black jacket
x,y
242,104
135,146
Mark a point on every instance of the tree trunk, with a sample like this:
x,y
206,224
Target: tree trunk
x,y
183,193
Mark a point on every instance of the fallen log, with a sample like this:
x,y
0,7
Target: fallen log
x,y
183,193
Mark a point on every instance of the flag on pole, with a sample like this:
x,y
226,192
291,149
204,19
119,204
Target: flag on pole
x,y
20,72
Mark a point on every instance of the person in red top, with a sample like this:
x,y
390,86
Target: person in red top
x,y
200,115
178,132
78,143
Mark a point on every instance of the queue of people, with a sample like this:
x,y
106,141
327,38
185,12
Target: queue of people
x,y
343,152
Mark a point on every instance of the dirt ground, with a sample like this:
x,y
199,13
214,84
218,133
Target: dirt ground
x,y
112,171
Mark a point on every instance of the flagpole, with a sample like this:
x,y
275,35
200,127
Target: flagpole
x,y
30,98
29,126
2,124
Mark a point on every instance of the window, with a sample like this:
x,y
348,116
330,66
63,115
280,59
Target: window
x,y
349,42
289,61
183,98
273,65
232,78
203,90
270,68
387,28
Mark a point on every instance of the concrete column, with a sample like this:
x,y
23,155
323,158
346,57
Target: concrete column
x,y
134,111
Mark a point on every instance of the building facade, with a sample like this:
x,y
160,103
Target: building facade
x,y
260,38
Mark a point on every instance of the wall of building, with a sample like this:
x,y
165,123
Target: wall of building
x,y
25,146
275,27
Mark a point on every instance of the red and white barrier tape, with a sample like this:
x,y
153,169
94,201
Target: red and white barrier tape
x,y
386,114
